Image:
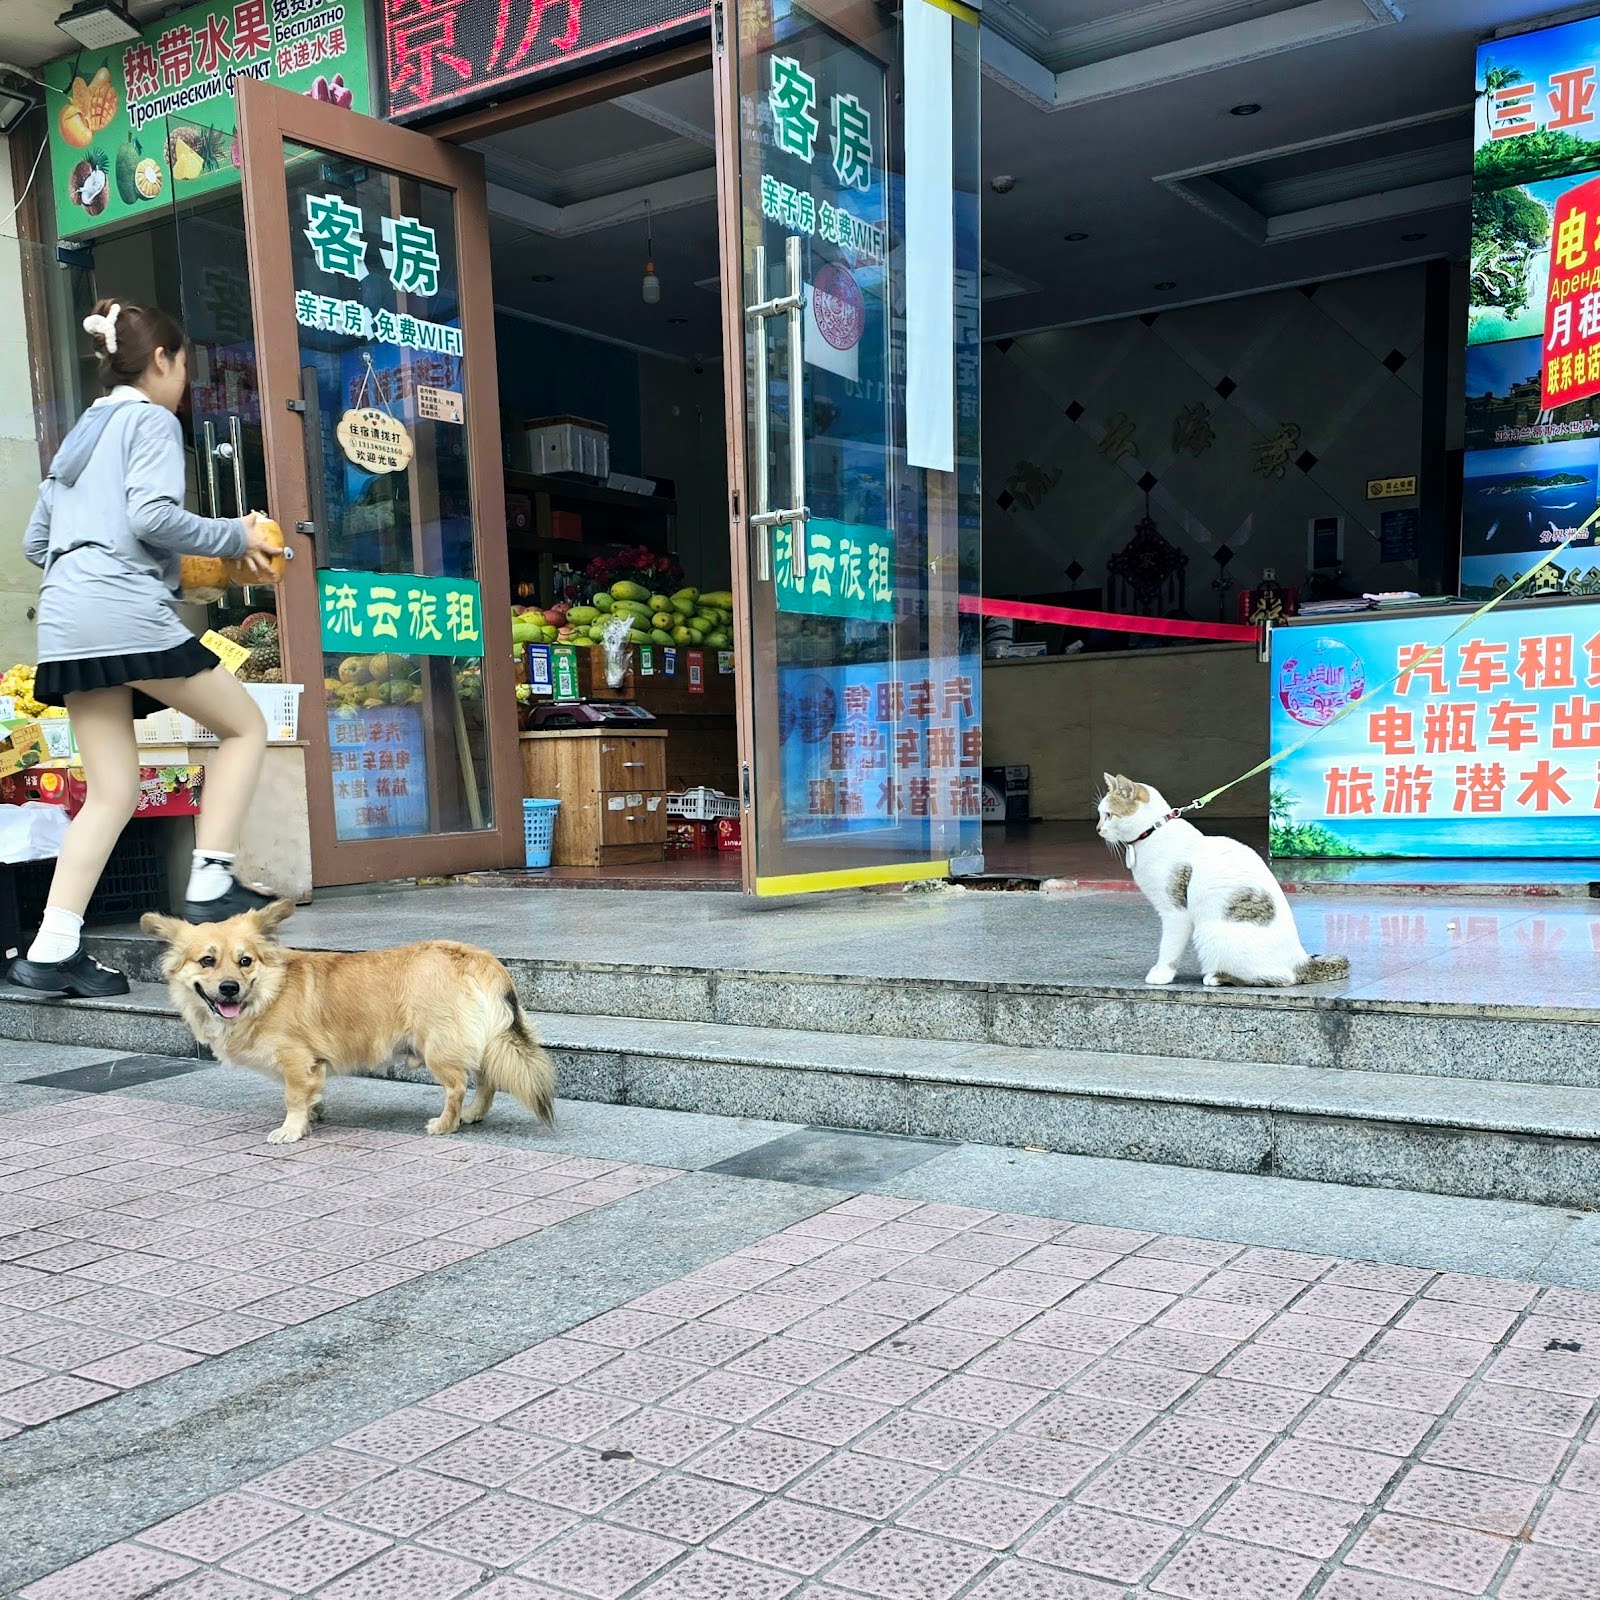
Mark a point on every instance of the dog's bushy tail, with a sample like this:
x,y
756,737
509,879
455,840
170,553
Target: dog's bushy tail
x,y
513,1060
1322,969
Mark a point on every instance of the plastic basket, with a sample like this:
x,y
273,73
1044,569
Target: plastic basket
x,y
702,805
539,830
134,881
279,702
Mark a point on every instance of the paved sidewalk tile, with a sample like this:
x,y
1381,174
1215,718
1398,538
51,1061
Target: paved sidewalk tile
x,y
138,1238
670,1450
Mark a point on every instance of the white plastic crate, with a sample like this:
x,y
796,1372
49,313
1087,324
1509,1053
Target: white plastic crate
x,y
279,702
702,805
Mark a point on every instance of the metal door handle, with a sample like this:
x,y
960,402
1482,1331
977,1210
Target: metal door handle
x,y
790,306
235,453
208,435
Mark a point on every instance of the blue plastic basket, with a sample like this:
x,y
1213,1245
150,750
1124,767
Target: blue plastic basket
x,y
539,830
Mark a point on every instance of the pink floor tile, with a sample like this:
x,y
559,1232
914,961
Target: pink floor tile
x,y
1457,1559
34,1403
119,1572
601,1561
1208,1569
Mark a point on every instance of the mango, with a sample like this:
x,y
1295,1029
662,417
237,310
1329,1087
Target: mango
x,y
602,601
664,619
659,602
718,641
722,599
581,616
639,636
682,636
687,594
661,636
625,590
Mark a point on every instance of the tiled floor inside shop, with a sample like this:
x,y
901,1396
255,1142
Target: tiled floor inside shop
x,y
593,1383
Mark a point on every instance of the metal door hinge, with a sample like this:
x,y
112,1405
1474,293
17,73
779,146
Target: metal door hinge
x,y
296,405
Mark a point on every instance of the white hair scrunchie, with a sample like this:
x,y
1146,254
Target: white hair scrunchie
x,y
105,326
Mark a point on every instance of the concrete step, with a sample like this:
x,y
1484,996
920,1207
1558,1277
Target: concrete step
x,y
1395,1130
1307,1028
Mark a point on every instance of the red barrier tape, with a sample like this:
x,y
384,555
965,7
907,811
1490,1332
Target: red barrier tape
x,y
1107,621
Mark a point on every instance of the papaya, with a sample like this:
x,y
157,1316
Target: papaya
x,y
273,534
625,590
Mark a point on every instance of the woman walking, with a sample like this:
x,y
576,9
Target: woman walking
x,y
109,530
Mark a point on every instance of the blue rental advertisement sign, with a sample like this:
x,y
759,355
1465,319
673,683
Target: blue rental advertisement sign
x,y
1488,747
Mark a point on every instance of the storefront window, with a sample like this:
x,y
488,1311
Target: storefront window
x,y
381,357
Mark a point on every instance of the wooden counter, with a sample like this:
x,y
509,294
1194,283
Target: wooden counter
x,y
612,786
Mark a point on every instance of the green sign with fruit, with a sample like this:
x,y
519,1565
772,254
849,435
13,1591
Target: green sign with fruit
x,y
135,127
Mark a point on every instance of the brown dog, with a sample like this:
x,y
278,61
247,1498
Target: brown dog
x,y
301,1014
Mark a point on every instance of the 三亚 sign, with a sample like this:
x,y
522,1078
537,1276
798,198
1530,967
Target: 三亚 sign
x,y
1487,745
140,125
365,613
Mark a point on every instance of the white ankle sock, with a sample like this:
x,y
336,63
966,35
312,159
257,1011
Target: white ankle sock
x,y
211,875
60,933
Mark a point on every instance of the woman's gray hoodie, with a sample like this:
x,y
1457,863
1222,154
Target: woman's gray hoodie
x,y
109,529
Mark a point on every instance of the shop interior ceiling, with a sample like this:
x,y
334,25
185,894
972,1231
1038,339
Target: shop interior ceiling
x,y
1114,120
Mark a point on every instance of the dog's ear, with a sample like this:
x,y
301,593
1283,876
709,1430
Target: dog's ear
x,y
270,918
167,929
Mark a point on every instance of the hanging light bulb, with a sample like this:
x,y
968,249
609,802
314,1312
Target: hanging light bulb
x,y
650,286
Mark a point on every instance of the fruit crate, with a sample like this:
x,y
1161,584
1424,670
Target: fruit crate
x,y
702,805
134,881
279,702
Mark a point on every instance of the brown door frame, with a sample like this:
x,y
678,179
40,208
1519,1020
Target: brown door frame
x,y
268,117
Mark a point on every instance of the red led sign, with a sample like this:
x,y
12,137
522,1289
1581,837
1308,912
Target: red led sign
x,y
439,52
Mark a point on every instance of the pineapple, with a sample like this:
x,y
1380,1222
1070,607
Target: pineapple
x,y
271,675
184,159
264,658
260,627
235,635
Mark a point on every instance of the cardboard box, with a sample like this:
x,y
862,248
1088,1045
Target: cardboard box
x,y
22,745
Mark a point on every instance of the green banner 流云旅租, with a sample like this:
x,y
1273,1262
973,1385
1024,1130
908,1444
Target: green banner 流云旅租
x,y
371,613
137,126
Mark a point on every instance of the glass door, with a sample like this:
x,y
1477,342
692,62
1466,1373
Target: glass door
x,y
369,275
224,413
850,238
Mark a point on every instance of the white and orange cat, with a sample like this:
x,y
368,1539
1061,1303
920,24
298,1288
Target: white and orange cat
x,y
1217,892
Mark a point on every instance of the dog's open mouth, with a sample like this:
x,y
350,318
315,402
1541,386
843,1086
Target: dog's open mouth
x,y
228,1010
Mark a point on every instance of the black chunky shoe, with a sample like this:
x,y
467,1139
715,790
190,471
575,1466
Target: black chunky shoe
x,y
237,900
80,977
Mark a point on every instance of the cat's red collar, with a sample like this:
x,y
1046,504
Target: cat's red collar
x,y
1171,816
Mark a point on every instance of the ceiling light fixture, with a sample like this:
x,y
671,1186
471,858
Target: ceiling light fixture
x,y
1245,108
1411,238
1075,238
677,322
98,24
1002,183
542,277
650,285
1167,283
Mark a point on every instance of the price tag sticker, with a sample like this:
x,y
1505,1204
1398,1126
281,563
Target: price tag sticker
x,y
231,655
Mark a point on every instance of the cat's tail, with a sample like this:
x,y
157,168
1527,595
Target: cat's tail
x,y
1322,969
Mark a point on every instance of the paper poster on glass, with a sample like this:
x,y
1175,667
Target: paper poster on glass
x,y
380,772
885,750
1490,748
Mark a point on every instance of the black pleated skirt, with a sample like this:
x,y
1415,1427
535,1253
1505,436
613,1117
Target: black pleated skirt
x,y
55,680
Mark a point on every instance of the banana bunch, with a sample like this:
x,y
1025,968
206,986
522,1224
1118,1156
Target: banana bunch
x,y
18,683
